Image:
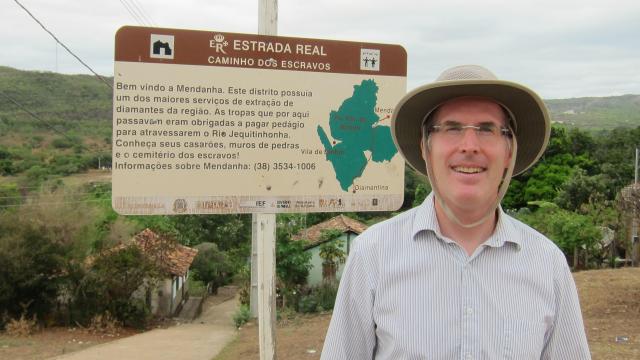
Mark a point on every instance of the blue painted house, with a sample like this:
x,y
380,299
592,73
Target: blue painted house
x,y
350,229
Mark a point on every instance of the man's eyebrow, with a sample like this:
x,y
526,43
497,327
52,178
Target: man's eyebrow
x,y
481,123
450,122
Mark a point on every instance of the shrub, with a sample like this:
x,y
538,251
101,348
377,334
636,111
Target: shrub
x,y
133,312
62,143
242,315
326,294
286,315
110,285
320,298
243,279
104,324
21,327
30,267
196,287
308,304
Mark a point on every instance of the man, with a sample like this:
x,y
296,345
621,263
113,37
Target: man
x,y
457,278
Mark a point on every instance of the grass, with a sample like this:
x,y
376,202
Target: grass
x,y
196,288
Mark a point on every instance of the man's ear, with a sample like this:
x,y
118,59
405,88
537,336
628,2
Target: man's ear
x,y
424,148
507,159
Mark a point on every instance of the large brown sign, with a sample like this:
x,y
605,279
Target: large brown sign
x,y
213,122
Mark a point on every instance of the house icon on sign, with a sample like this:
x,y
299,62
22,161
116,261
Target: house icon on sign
x,y
161,45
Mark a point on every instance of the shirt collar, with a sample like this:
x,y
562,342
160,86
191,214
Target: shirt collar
x,y
505,232
425,217
426,220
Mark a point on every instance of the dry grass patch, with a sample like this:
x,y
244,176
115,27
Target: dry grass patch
x,y
610,302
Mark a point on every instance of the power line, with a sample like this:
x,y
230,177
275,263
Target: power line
x,y
63,45
138,6
35,116
131,12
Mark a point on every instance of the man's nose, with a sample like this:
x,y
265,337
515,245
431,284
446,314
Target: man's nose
x,y
469,141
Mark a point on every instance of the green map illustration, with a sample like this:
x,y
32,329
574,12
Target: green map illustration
x,y
355,129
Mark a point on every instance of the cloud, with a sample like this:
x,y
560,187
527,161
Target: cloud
x,y
559,48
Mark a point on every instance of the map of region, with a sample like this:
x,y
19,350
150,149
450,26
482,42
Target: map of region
x,y
355,129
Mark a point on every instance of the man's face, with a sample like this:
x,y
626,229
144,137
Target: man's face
x,y
468,165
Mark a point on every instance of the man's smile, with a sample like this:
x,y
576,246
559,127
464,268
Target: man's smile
x,y
468,169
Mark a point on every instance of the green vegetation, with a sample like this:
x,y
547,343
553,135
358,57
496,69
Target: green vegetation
x,y
211,266
49,228
242,315
109,284
73,133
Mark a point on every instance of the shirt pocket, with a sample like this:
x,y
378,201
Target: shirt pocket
x,y
523,340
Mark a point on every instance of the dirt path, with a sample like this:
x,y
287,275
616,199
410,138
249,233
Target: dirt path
x,y
201,340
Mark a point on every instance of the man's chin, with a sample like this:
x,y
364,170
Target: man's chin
x,y
471,201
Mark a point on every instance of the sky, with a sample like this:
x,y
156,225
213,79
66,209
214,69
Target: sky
x,y
561,48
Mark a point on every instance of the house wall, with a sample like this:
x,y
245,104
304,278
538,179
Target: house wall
x,y
166,297
315,274
178,292
161,298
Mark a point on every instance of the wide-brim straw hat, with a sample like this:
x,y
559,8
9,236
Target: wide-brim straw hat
x,y
531,118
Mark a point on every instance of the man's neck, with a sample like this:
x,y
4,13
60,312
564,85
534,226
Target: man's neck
x,y
468,238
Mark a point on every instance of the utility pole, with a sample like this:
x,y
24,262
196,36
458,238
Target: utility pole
x,y
263,235
634,222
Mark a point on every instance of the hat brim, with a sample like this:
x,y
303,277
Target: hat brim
x,y
531,117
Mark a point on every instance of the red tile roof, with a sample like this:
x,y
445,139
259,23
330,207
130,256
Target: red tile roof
x,y
343,223
171,257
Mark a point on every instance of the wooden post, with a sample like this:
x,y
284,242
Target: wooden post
x,y
266,241
253,299
265,229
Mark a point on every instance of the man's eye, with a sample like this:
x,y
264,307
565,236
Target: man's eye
x,y
487,129
453,129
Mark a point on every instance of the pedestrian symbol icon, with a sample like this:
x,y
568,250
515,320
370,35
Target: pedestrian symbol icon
x,y
370,59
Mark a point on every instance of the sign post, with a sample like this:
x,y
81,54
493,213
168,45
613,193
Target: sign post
x,y
264,226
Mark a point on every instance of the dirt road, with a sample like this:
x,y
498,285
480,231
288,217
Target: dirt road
x,y
201,340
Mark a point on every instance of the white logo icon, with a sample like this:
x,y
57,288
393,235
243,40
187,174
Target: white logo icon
x,y
370,59
161,46
218,43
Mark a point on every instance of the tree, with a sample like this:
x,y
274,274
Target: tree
x,y
110,283
573,233
582,189
211,266
421,192
331,254
31,270
38,245
292,261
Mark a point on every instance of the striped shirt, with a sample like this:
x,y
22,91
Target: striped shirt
x,y
407,292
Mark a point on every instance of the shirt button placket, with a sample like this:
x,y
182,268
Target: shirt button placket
x,y
467,314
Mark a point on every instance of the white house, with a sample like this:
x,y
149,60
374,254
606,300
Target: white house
x,y
350,229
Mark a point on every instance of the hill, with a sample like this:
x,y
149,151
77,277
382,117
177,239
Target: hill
x,y
594,113
73,129
63,100
74,126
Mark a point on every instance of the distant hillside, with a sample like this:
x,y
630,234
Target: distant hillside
x,y
55,96
592,113
65,99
